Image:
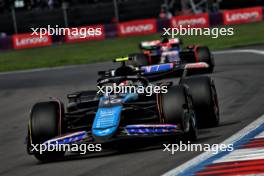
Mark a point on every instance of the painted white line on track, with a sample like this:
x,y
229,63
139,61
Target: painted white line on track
x,y
202,157
260,52
49,69
242,155
253,51
261,135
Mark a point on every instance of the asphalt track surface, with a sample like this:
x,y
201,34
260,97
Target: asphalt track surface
x,y
239,79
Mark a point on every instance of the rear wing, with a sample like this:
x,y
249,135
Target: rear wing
x,y
147,45
151,69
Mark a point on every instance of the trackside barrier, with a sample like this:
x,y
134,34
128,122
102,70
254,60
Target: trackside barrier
x,y
139,27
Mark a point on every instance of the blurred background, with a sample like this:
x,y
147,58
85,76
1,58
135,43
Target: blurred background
x,y
17,16
119,20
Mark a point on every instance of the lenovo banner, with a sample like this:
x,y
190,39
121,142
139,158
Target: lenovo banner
x,y
194,21
137,27
30,41
85,33
239,16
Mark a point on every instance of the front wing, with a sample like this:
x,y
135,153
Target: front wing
x,y
127,132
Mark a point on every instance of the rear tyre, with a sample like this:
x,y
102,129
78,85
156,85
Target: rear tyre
x,y
205,100
45,123
203,54
139,59
176,108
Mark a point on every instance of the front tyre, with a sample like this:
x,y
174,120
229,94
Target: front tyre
x,y
45,123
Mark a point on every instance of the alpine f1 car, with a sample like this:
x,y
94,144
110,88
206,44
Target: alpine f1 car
x,y
99,117
171,51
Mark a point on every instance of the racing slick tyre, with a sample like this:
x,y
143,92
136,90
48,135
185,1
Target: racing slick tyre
x,y
45,123
139,59
203,54
204,96
176,108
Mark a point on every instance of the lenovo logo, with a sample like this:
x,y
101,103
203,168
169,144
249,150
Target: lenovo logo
x,y
196,21
242,16
239,16
30,41
138,27
192,22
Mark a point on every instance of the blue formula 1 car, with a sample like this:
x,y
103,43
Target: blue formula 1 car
x,y
93,117
171,51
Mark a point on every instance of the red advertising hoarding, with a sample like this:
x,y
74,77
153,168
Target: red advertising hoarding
x,y
194,21
239,16
21,41
137,27
85,33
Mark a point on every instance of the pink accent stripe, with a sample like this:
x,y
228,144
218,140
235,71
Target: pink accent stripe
x,y
60,110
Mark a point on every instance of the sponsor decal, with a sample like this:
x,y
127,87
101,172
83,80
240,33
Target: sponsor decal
x,y
137,27
157,68
85,33
28,40
194,21
152,129
239,16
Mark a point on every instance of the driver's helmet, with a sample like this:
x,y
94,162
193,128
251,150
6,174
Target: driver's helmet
x,y
164,43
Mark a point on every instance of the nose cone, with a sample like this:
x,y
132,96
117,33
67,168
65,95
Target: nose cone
x,y
106,123
102,135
